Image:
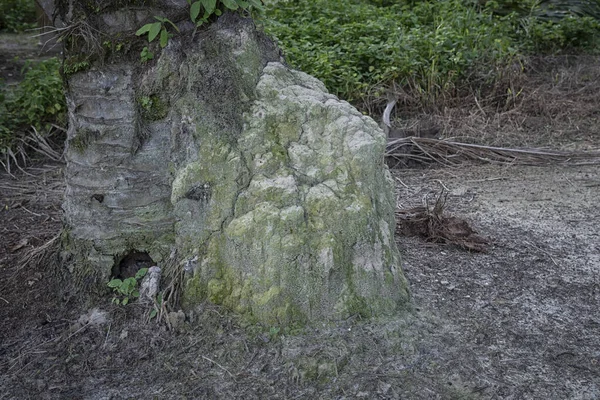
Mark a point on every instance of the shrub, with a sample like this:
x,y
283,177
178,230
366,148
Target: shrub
x,y
17,15
38,101
353,45
427,47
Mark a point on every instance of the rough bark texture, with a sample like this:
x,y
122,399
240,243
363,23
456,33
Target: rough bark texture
x,y
215,157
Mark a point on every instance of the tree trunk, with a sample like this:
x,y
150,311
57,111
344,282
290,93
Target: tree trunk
x,y
224,167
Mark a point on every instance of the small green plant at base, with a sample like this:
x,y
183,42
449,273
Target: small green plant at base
x,y
146,55
127,289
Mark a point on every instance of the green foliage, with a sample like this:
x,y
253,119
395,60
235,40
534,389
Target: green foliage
x,y
38,101
155,29
152,108
73,65
353,45
146,54
428,47
208,8
551,26
17,15
126,289
553,36
546,9
200,12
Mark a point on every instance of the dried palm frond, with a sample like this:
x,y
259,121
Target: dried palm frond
x,y
450,153
41,144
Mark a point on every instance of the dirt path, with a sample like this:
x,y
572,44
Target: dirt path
x,y
527,311
518,322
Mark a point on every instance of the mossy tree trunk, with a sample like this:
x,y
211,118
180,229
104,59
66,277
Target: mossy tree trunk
x,y
264,192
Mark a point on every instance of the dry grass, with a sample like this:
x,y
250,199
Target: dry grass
x,y
552,103
554,106
48,145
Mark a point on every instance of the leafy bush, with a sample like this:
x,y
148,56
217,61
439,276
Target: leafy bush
x,y
17,15
38,101
427,47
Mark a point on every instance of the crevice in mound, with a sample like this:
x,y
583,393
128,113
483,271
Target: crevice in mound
x,y
128,265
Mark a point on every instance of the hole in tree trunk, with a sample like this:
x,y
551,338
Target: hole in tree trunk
x,y
131,263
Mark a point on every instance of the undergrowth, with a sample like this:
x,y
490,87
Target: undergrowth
x,y
432,50
17,15
34,105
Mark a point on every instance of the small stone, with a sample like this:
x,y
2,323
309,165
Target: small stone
x,y
176,319
384,387
150,284
93,317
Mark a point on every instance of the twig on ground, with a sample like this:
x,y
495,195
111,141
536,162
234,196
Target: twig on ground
x,y
218,365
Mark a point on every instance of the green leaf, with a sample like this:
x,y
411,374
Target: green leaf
x,y
209,6
142,271
116,301
195,11
153,313
125,301
115,283
218,12
159,299
231,4
154,30
135,293
164,40
143,29
161,19
128,285
257,4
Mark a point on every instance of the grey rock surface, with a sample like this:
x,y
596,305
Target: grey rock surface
x,y
150,285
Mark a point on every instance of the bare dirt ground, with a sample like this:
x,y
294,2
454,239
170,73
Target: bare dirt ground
x,y
519,321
